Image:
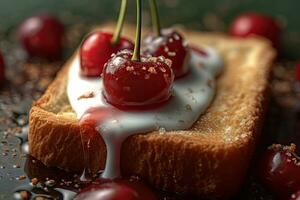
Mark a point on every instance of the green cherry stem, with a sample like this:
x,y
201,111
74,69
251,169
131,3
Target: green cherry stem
x,y
137,47
154,17
117,34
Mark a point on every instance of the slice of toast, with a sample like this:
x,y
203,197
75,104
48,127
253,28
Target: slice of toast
x,y
210,159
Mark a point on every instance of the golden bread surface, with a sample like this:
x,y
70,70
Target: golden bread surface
x,y
210,159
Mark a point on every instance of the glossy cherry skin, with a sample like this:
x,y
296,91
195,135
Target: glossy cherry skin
x,y
117,190
129,83
256,24
295,196
42,36
2,70
171,45
280,170
97,49
297,70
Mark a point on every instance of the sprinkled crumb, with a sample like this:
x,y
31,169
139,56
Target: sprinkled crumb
x,y
50,183
188,107
152,70
172,54
22,177
168,62
166,49
34,181
162,69
291,148
86,95
176,37
275,146
129,68
210,83
16,166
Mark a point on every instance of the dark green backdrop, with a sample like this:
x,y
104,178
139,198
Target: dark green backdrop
x,y
201,15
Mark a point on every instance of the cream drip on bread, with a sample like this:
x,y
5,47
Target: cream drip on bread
x,y
191,96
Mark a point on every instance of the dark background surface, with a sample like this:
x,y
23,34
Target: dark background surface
x,y
212,15
26,82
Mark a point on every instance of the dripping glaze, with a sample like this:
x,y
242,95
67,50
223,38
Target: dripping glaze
x,y
191,96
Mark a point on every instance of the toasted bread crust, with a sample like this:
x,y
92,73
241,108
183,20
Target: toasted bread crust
x,y
210,159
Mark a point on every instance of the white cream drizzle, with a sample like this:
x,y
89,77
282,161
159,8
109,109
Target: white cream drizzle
x,y
192,94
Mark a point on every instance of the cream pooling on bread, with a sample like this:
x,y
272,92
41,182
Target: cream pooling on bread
x,y
192,95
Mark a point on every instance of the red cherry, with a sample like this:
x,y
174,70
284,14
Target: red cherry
x,y
295,196
42,36
297,71
170,45
117,190
97,49
280,169
129,83
257,24
2,70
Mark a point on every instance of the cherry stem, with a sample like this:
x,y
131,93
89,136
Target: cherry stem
x,y
137,47
154,17
117,34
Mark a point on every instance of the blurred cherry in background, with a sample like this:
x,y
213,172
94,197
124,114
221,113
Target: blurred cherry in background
x,y
248,24
295,196
42,36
